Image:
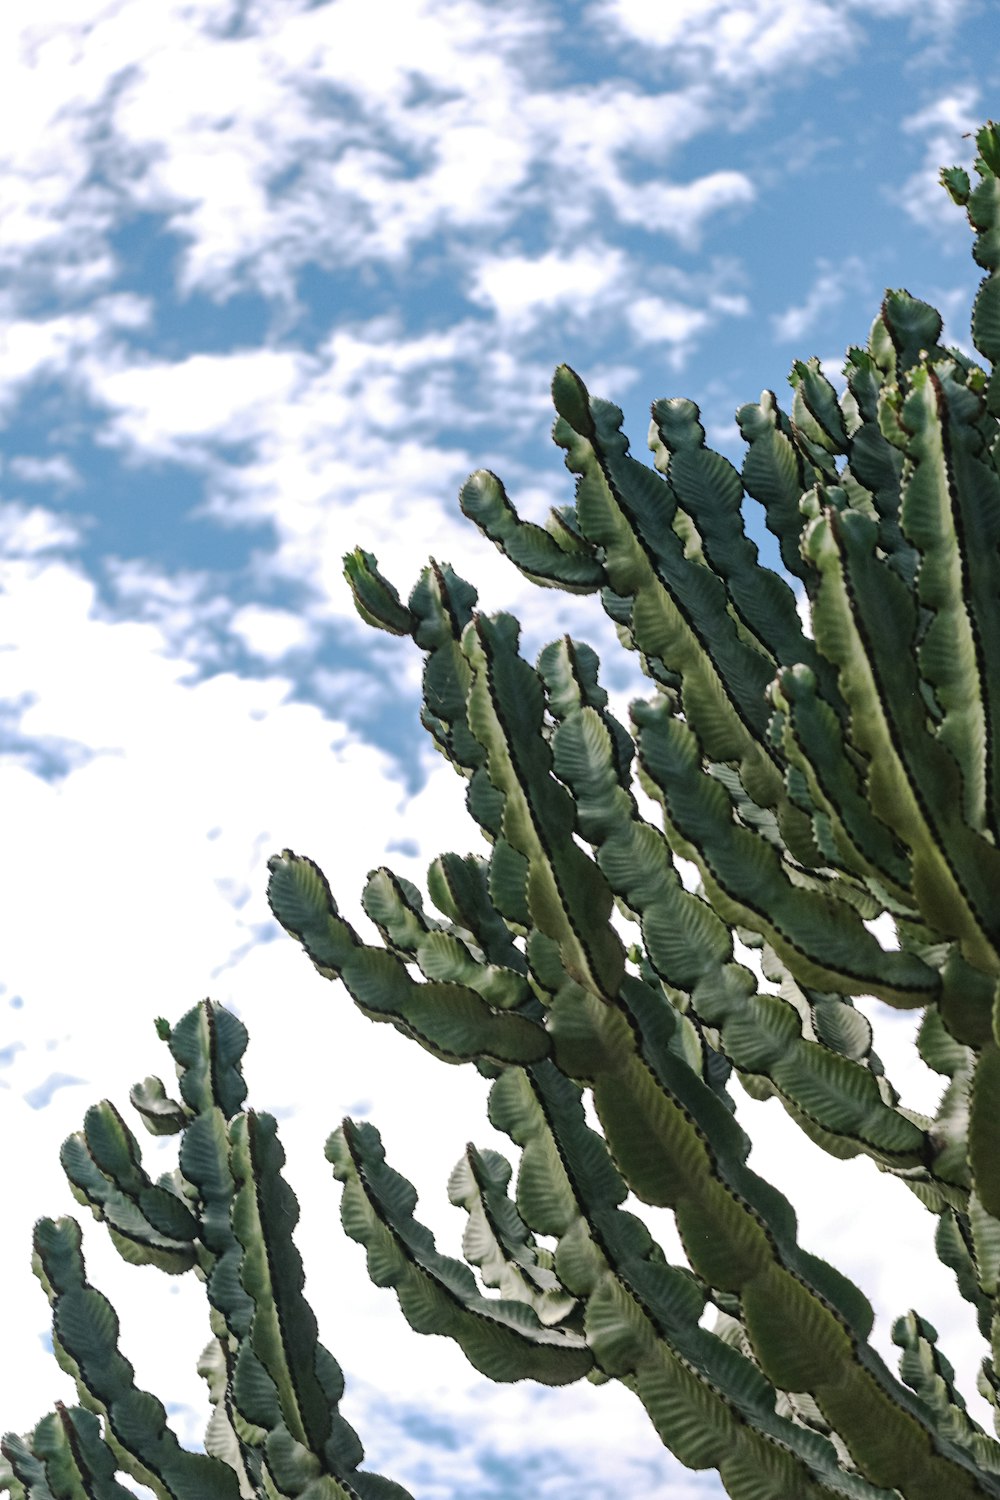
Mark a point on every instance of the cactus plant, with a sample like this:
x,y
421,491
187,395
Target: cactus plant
x,y
817,777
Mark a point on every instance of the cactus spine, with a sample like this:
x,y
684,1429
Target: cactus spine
x,y
817,779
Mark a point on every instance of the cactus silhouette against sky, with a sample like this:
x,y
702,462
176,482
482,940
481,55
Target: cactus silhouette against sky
x,y
817,778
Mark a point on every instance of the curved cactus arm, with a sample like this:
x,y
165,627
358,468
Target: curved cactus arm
x,y
676,1146
375,599
820,937
926,1370
775,473
568,898
929,427
284,1380
450,1020
849,836
691,949
975,493
459,887
711,1405
679,608
983,205
499,1243
85,1333
160,1114
710,491
441,953
503,1338
866,619
65,1458
148,1223
556,556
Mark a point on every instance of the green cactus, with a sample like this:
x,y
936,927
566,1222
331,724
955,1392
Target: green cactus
x,y
817,778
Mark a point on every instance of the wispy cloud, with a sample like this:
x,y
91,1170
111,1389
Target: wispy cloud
x,y
946,126
831,286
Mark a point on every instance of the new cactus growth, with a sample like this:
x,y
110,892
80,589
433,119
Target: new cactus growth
x,y
817,778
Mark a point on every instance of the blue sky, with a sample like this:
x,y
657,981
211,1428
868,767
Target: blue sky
x,y
274,278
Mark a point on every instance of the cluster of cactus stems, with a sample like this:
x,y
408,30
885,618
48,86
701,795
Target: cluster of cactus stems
x,y
818,778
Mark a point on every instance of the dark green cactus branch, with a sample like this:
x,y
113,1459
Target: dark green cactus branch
x,y
228,1213
711,1406
85,1335
449,1019
504,1338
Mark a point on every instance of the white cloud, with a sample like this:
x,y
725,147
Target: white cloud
x,y
518,287
271,633
26,531
745,43
681,210
167,408
945,125
738,41
56,471
831,286
330,133
656,320
59,346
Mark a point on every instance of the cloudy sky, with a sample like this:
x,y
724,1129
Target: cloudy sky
x,y
275,276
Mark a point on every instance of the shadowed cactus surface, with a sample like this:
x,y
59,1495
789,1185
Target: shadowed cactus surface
x,y
826,782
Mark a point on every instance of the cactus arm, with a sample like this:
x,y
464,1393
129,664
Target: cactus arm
x,y
375,599
450,1020
283,1332
65,1458
499,1243
820,937
148,1224
710,491
568,898
85,1332
983,204
678,608
441,604
969,434
442,953
556,557
711,1406
503,1338
459,887
775,474
926,1370
206,1045
950,655
857,843
160,1114
865,617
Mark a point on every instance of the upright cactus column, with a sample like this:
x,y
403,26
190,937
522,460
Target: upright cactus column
x,y
817,780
